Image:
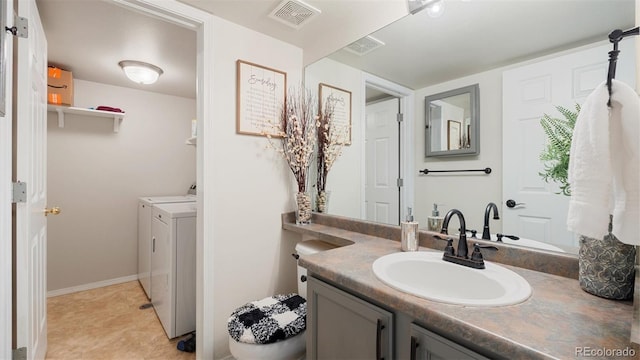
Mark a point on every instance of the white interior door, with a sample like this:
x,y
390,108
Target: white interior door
x,y
529,92
31,167
382,162
6,163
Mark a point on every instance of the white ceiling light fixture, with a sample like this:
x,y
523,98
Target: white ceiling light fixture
x,y
140,72
434,7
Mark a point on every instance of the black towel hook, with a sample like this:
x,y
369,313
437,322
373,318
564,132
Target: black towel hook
x,y
614,37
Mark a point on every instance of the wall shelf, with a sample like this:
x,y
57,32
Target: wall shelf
x,y
62,110
192,141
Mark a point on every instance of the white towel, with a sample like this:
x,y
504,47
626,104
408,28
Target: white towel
x,y
604,170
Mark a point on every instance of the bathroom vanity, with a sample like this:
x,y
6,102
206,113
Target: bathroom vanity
x,y
343,326
558,321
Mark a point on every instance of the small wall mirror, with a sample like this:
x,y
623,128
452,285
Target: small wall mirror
x,y
452,120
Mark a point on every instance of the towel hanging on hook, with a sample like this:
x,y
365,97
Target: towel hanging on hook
x,y
614,37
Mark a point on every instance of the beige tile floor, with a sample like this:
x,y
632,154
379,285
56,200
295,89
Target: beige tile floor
x,y
106,323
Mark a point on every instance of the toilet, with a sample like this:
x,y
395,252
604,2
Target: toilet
x,y
282,315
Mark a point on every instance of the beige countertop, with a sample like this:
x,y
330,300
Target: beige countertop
x,y
554,323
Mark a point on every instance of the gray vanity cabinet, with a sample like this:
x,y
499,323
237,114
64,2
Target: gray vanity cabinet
x,y
342,326
426,345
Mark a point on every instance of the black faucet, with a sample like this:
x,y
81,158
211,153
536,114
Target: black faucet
x,y
476,261
463,249
486,234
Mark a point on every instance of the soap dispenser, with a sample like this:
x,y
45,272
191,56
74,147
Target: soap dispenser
x,y
409,234
434,222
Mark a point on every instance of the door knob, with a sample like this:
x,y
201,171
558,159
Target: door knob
x,y
512,203
53,211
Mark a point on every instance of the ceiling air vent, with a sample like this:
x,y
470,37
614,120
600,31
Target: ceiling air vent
x,y
364,45
294,13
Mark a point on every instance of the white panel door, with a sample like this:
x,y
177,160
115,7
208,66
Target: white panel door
x,y
6,161
382,162
31,167
528,93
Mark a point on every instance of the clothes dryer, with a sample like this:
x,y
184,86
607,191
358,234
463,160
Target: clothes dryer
x,y
145,206
173,267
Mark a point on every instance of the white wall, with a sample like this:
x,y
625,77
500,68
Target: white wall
x,y
459,191
96,176
449,112
345,177
470,192
251,188
467,192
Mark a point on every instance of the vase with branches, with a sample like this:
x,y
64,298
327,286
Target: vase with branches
x,y
294,138
331,139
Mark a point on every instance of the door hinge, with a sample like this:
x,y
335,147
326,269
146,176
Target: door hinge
x,y
20,27
19,354
400,117
19,192
400,182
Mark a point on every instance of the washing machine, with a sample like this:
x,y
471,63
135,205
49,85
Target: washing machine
x,y
173,266
145,206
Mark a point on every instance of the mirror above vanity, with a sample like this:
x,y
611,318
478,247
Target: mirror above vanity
x,y
441,61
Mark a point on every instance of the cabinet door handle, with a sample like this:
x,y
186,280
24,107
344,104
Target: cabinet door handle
x,y
153,244
414,347
379,328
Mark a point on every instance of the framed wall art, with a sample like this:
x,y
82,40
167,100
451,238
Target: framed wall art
x,y
260,96
341,100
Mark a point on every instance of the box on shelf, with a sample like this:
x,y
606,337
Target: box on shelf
x,y
60,86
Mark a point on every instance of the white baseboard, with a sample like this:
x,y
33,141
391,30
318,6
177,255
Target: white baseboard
x,y
90,286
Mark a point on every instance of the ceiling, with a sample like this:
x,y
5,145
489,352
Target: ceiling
x,y
478,35
339,23
90,37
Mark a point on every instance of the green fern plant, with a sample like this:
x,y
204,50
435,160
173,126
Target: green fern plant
x,y
555,156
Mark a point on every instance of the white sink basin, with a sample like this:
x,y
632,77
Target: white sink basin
x,y
426,275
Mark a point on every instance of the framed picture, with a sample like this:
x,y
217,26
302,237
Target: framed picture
x,y
260,95
342,106
453,135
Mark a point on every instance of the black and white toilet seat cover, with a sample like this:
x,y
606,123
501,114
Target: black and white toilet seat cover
x,y
269,320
